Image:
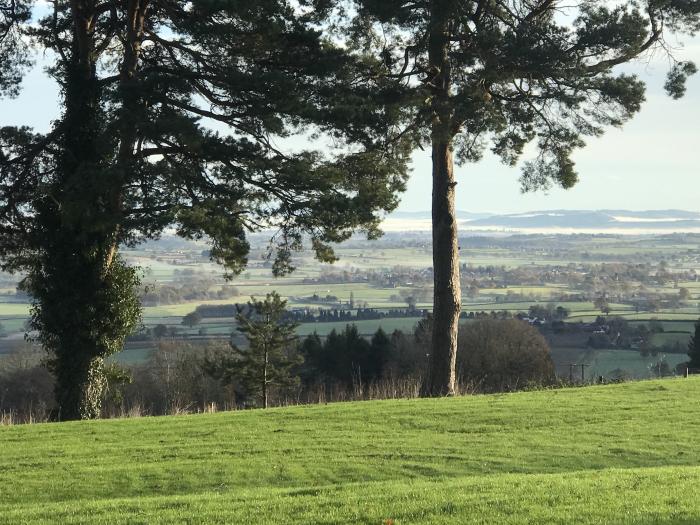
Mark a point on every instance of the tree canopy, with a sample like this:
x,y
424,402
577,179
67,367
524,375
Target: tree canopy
x,y
179,114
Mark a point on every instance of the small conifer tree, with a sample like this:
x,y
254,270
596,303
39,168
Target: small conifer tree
x,y
267,361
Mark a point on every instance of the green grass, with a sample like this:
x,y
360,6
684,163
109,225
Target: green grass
x,y
671,338
613,454
603,362
135,354
13,324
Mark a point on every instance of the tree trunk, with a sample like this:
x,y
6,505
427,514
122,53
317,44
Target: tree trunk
x,y
83,305
80,390
264,384
447,292
72,268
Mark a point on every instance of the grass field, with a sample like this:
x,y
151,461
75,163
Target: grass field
x,y
603,363
610,454
14,309
608,362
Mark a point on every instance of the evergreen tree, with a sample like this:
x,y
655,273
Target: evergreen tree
x,y
694,349
311,348
379,354
267,361
481,73
131,154
354,367
331,357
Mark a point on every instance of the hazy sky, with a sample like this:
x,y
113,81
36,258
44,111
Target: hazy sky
x,y
652,163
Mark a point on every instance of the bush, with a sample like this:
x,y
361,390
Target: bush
x,y
503,355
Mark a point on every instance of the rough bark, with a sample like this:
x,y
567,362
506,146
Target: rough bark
x,y
447,292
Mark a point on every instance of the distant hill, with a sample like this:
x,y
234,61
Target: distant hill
x,y
420,215
651,220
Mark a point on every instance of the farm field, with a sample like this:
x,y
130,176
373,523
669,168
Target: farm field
x,y
611,362
604,454
315,286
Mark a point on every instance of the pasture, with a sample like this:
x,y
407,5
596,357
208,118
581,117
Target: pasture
x,y
623,453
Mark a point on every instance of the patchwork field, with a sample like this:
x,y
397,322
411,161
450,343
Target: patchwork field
x,y
623,453
313,285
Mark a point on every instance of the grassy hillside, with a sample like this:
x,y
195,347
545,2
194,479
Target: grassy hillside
x,y
615,454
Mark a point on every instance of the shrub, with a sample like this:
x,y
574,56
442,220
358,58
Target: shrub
x,y
503,355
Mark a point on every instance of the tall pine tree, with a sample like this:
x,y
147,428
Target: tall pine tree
x,y
481,74
173,113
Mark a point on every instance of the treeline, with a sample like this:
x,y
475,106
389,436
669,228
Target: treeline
x,y
381,278
309,315
358,314
186,291
182,376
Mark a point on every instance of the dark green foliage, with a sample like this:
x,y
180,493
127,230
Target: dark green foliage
x,y
677,77
13,51
380,352
77,335
160,331
518,73
346,358
311,347
548,312
268,361
134,152
344,355
694,349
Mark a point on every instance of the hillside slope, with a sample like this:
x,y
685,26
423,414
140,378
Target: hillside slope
x,y
612,454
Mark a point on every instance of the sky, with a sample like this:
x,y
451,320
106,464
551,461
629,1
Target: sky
x,y
651,163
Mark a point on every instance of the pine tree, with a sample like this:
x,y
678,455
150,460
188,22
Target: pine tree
x,y
379,354
311,348
479,73
143,84
268,361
